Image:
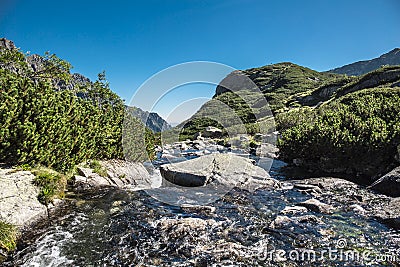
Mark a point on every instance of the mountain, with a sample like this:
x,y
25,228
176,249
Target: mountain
x,y
285,86
78,83
151,119
247,93
361,67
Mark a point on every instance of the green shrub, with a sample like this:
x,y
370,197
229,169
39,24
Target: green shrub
x,y
358,133
43,126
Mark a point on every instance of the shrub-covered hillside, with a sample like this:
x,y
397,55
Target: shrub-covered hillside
x,y
357,134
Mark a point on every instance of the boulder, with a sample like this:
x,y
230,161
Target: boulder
x,y
212,132
120,173
225,169
125,173
19,198
389,184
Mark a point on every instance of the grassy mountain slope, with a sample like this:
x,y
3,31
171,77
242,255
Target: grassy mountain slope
x,y
255,94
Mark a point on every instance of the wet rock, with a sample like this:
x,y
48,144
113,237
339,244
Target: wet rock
x,y
179,227
307,187
316,206
392,222
308,219
280,222
222,169
18,197
294,210
357,208
388,184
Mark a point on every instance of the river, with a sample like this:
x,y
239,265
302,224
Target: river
x,y
130,228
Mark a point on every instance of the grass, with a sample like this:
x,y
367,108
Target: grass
x,y
51,183
8,236
97,168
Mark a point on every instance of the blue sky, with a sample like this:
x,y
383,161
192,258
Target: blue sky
x,y
133,40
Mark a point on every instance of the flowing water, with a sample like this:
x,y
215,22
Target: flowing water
x,y
120,228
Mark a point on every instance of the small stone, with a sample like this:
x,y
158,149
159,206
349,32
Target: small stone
x,y
316,206
280,222
294,210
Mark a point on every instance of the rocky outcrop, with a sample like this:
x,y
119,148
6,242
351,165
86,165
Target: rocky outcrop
x,y
362,67
7,44
115,173
224,169
19,198
385,76
389,184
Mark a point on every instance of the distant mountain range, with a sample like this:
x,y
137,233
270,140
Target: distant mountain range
x,y
151,119
77,81
362,67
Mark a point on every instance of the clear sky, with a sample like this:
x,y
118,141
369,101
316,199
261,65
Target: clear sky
x,y
133,40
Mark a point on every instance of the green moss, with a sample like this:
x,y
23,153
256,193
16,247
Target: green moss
x,y
8,236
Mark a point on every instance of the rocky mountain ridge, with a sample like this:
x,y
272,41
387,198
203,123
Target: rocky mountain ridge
x,y
361,67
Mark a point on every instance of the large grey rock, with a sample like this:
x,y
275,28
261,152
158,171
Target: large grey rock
x,y
124,173
226,169
388,184
18,198
212,132
120,174
387,211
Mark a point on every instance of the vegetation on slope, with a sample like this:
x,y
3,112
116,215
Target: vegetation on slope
x,y
8,237
280,84
358,133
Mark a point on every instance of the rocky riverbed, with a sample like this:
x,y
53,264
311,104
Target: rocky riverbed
x,y
277,223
